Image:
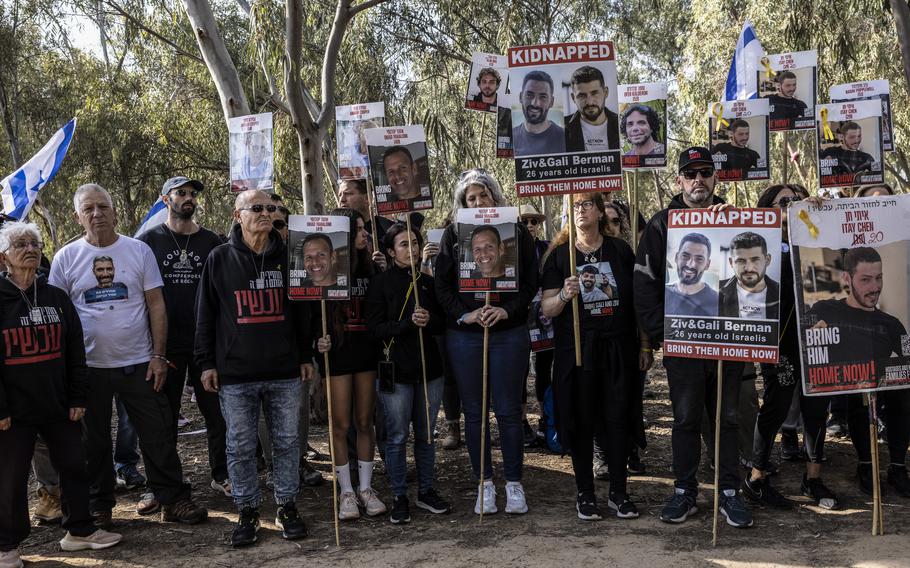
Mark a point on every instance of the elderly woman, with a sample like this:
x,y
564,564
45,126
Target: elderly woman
x,y
42,391
509,346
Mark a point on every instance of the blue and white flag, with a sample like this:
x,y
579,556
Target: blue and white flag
x,y
742,80
19,190
156,216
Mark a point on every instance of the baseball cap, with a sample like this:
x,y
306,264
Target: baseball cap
x,y
694,155
178,181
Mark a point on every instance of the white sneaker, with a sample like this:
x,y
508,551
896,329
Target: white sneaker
x,y
515,499
10,559
347,507
223,487
371,502
489,499
98,540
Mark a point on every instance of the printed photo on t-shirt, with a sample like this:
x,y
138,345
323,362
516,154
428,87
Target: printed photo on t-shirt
x,y
599,294
108,289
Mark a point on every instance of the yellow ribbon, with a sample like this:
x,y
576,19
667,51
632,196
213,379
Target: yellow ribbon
x,y
804,217
825,126
719,120
766,63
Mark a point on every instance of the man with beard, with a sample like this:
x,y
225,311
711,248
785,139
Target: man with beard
x,y
487,248
352,193
589,290
641,125
488,81
784,104
848,158
690,296
593,127
181,247
750,293
737,152
537,134
401,173
107,289
867,333
693,382
318,260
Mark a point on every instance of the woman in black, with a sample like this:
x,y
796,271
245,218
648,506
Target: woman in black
x,y
594,398
393,319
43,388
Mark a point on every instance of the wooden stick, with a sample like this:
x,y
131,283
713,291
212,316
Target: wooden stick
x,y
328,394
633,210
720,384
869,400
570,211
371,204
423,359
483,408
483,128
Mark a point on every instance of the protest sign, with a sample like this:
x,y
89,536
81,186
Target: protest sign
x,y
435,235
504,125
868,91
319,257
350,123
739,139
849,144
400,169
722,294
488,261
540,327
251,161
788,81
643,125
489,77
851,260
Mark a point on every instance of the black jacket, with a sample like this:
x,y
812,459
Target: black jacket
x,y
456,304
42,365
246,330
575,138
729,299
650,271
388,324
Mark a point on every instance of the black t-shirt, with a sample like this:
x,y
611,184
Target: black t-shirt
x,y
737,158
605,304
848,161
783,107
181,277
864,335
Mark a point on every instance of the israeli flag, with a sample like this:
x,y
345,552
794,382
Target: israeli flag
x,y
157,215
742,82
19,190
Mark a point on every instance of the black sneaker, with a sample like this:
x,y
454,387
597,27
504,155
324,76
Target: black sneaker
x,y
897,478
244,534
864,477
635,467
312,454
185,511
529,435
733,508
816,490
103,520
678,508
601,471
309,475
129,478
624,507
432,502
586,505
401,512
761,491
289,522
789,446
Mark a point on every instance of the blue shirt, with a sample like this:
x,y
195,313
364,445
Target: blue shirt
x,y
702,303
550,141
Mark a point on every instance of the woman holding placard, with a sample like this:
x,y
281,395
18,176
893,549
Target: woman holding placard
x,y
353,358
594,398
505,317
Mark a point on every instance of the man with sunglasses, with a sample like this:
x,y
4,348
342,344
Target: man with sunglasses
x,y
693,382
181,248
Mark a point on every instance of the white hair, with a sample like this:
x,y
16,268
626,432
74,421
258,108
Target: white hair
x,y
89,188
476,177
13,230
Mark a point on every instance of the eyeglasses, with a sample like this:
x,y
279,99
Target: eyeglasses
x,y
530,221
183,193
585,205
259,208
706,173
19,245
784,201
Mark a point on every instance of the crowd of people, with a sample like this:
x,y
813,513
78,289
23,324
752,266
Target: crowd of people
x,y
131,321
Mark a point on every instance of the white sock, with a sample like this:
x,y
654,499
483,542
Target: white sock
x,y
365,474
343,473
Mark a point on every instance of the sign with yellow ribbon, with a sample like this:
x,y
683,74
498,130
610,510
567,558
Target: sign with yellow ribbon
x,y
825,126
719,121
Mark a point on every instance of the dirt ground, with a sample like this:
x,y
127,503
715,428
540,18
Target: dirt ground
x,y
549,535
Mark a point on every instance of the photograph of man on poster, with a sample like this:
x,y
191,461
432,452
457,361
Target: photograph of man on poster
x,y
488,252
690,295
401,172
739,156
595,286
318,261
593,127
251,160
784,104
640,125
750,293
537,134
847,154
488,81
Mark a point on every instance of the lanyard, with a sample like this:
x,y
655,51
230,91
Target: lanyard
x,y
388,346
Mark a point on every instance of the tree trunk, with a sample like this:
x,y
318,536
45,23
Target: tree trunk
x,y
311,171
901,11
217,59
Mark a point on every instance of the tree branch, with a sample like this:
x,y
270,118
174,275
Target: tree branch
x,y
343,15
354,10
138,23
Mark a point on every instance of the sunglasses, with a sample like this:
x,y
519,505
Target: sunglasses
x,y
531,221
706,173
183,192
259,208
784,201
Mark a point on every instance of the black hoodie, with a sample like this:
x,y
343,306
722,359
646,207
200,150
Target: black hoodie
x,y
245,326
650,271
42,364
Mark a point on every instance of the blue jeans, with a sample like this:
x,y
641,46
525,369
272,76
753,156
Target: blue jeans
x,y
126,449
509,350
240,406
401,408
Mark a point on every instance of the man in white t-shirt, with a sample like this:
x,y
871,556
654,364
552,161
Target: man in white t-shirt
x,y
750,293
115,284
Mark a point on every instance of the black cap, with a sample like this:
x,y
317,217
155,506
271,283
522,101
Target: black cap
x,y
175,182
694,155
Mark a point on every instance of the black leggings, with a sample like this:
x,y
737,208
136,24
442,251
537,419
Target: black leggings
x,y
451,400
543,369
896,416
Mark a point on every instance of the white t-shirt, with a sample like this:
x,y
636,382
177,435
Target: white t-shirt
x,y
751,304
109,296
595,136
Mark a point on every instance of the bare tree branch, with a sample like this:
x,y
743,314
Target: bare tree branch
x,y
139,24
330,61
354,10
245,6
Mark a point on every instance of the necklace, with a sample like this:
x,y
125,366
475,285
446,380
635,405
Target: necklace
x,y
260,282
183,253
34,312
589,255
